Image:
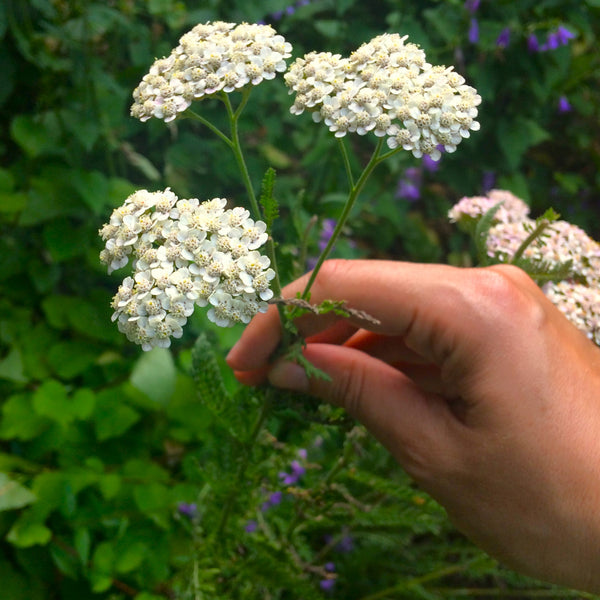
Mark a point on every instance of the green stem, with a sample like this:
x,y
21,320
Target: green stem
x,y
236,147
353,195
190,114
346,160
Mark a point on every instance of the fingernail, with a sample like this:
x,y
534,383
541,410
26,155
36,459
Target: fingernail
x,y
289,376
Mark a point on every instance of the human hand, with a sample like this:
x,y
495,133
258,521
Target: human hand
x,y
478,386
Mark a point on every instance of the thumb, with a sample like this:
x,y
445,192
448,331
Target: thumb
x,y
414,425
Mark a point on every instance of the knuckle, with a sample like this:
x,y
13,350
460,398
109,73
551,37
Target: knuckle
x,y
332,270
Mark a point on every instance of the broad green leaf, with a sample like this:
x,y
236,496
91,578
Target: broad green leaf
x,y
103,561
36,136
110,485
154,500
51,400
25,533
11,367
19,419
154,374
69,359
112,416
82,125
92,187
130,557
13,494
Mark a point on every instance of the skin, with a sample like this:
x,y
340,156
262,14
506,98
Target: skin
x,y
477,385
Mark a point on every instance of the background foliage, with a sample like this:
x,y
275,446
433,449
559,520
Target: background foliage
x,y
121,475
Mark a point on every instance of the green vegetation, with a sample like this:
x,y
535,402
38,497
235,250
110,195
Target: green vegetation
x,y
126,474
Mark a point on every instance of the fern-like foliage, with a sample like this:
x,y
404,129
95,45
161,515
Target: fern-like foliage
x,y
230,411
268,202
481,232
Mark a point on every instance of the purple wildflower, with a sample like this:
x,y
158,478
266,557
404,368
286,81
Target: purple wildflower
x,y
472,5
504,38
292,478
346,544
473,34
488,181
564,106
409,187
564,35
327,228
532,43
552,42
251,526
557,38
188,509
330,566
327,584
429,164
302,453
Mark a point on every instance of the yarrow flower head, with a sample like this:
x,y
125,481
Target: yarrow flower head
x,y
469,209
211,58
577,298
388,88
185,253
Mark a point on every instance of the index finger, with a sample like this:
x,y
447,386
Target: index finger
x,y
397,294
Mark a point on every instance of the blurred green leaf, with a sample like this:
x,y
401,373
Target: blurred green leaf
x,y
13,494
51,400
130,556
25,534
69,359
103,560
11,366
112,416
36,136
92,187
19,420
82,544
154,374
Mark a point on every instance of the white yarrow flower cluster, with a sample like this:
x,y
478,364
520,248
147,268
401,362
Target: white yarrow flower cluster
x,y
210,58
386,87
578,298
185,253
